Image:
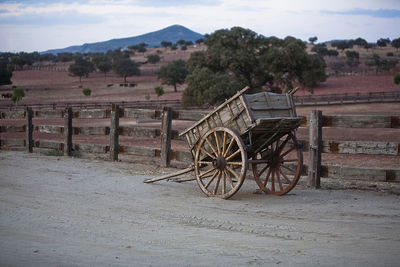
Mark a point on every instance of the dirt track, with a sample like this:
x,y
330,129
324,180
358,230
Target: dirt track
x,y
63,211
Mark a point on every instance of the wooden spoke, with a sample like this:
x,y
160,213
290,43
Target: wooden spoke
x,y
277,179
229,179
224,144
234,154
223,183
263,170
267,177
284,176
217,143
212,147
233,172
239,163
220,169
229,147
287,168
217,183
288,160
273,180
205,162
208,171
287,152
207,153
212,179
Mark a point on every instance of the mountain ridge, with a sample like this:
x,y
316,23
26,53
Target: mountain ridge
x,y
172,34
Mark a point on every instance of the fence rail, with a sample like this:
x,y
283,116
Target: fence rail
x,y
334,99
311,100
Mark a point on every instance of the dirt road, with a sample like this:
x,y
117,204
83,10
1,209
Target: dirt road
x,y
75,212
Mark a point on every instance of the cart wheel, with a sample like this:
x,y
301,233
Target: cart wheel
x,y
220,162
280,166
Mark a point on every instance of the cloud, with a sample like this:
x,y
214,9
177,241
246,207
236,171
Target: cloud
x,y
377,13
70,17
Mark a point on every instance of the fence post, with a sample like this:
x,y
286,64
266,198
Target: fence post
x,y
315,149
29,129
114,133
68,131
166,137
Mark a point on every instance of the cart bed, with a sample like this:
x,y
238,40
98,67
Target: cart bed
x,y
266,115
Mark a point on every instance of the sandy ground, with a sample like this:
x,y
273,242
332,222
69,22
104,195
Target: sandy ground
x,y
78,212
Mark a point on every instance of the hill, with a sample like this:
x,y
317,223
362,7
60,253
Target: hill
x,y
172,34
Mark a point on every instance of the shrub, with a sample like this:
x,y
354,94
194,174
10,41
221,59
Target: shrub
x,y
159,90
18,94
147,96
86,91
397,78
389,54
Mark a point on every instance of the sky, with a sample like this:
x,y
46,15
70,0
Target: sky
x,y
39,25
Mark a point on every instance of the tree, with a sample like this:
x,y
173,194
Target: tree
x,y
342,45
5,72
5,76
200,41
353,58
81,68
240,57
181,42
360,42
313,39
166,44
103,63
18,94
382,42
126,67
173,74
153,59
381,64
396,43
208,87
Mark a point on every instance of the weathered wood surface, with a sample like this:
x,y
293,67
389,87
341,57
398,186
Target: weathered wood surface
x,y
92,130
166,137
231,114
49,114
361,147
268,105
139,113
361,174
114,133
15,114
52,129
164,177
315,149
29,130
93,114
68,131
360,121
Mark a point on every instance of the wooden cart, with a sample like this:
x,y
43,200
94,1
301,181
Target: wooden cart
x,y
254,130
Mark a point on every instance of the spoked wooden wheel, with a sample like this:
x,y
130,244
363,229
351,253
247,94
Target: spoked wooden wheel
x,y
277,169
220,162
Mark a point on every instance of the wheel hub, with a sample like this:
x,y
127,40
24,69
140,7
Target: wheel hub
x,y
274,162
219,163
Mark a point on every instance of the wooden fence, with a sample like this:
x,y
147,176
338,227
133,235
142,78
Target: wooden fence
x,y
354,98
309,100
113,148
